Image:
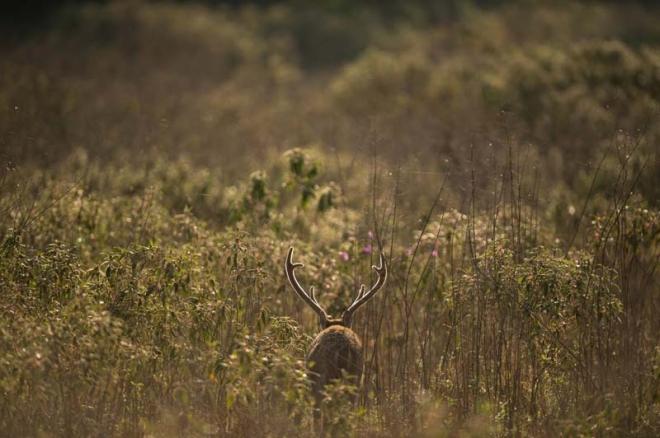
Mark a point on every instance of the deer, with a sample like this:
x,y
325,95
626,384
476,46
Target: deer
x,y
337,350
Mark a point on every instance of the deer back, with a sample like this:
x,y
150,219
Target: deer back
x,y
335,352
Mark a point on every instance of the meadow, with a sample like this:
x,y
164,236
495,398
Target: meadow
x,y
159,159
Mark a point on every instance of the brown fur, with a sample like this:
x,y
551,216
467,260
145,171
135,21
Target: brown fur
x,y
334,351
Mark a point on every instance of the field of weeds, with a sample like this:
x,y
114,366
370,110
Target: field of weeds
x,y
159,159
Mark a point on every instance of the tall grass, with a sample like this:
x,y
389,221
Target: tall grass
x,y
125,317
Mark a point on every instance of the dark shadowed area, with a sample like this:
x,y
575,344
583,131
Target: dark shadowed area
x,y
158,159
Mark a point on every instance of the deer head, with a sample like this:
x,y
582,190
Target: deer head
x,y
326,320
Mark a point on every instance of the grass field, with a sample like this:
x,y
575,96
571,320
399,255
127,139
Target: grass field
x,y
159,159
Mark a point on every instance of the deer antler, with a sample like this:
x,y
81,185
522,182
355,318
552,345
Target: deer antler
x,y
363,296
310,298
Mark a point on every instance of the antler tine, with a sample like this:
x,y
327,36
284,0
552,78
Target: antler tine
x,y
363,296
310,299
361,292
313,295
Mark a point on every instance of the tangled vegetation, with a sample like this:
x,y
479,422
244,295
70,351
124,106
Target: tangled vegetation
x,y
162,158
